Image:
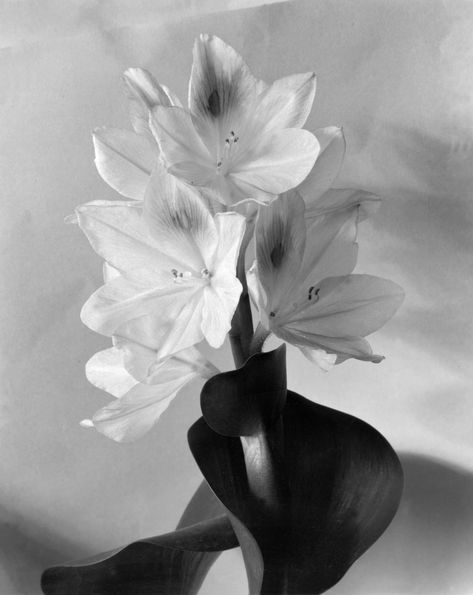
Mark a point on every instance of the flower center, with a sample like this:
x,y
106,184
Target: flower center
x,y
182,277
225,156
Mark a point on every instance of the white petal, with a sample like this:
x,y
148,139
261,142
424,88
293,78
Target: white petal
x,y
136,294
106,371
221,86
144,93
287,102
116,232
220,302
342,347
134,414
280,242
351,306
179,220
143,364
230,229
125,160
178,139
279,162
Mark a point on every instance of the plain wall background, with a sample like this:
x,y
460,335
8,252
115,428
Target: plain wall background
x,y
397,75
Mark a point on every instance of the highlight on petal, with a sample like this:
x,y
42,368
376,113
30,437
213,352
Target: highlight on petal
x,y
106,371
279,162
325,361
326,168
221,85
287,102
125,160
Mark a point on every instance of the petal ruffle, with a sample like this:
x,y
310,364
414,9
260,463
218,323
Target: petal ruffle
x,y
125,160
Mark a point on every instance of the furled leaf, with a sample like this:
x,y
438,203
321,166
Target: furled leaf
x,y
307,495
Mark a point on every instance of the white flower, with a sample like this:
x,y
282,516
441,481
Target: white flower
x,y
303,286
175,282
241,138
143,386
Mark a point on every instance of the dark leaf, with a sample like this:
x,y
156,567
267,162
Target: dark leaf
x,y
338,481
171,564
240,402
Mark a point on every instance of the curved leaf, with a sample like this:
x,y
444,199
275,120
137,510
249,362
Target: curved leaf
x,y
171,564
343,482
242,401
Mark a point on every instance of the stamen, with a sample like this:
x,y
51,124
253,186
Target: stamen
x,y
315,294
272,314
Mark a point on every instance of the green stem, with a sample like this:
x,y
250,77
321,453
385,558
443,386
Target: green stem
x,y
259,337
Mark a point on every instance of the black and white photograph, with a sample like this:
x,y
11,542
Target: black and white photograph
x,y
237,297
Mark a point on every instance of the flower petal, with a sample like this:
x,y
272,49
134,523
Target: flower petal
x,y
125,160
106,371
144,93
351,306
177,217
220,302
280,161
327,167
134,414
287,102
142,363
117,233
230,229
331,248
280,241
179,141
221,86
131,296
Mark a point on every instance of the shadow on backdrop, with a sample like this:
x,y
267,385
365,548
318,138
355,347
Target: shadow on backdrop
x,y
427,549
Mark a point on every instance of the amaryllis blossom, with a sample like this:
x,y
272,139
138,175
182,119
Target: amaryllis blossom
x,y
303,286
240,137
126,158
143,386
175,281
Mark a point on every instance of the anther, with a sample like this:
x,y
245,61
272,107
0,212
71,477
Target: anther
x,y
272,314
